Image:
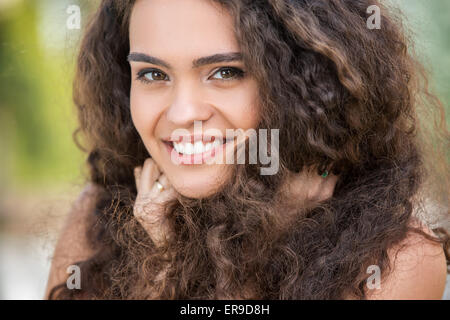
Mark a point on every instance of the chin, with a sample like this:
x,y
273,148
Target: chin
x,y
194,193
199,185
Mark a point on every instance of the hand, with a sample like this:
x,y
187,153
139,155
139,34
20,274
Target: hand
x,y
149,206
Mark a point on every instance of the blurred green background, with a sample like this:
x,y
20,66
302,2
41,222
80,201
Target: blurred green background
x,y
37,54
41,168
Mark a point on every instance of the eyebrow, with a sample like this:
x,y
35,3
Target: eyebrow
x,y
215,58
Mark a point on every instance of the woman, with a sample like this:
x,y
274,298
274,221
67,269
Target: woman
x,y
348,189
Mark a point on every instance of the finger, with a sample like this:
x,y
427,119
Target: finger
x,y
155,188
167,195
137,177
150,173
170,193
164,181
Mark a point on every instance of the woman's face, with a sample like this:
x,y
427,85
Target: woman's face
x,y
171,88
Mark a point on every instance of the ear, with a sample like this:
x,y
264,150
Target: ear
x,y
309,187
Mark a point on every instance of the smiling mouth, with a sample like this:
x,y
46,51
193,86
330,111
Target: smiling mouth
x,y
198,147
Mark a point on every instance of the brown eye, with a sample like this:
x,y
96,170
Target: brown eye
x,y
151,75
155,76
229,73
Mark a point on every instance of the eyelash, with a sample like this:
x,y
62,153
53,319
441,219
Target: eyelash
x,y
141,74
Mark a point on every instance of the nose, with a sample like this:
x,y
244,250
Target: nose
x,y
188,105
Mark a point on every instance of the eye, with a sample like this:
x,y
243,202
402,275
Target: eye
x,y
151,75
229,73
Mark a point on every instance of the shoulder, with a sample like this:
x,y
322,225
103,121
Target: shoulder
x,y
418,270
72,244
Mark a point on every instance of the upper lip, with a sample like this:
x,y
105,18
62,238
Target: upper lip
x,y
193,138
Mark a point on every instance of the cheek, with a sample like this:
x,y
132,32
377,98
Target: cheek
x,y
144,112
243,108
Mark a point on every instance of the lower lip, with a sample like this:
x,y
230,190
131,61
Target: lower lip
x,y
199,158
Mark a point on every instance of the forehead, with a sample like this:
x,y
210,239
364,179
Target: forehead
x,y
168,27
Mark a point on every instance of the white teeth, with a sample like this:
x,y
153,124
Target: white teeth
x,y
178,147
197,148
188,148
216,143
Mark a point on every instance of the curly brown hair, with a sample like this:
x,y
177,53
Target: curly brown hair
x,y
345,98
